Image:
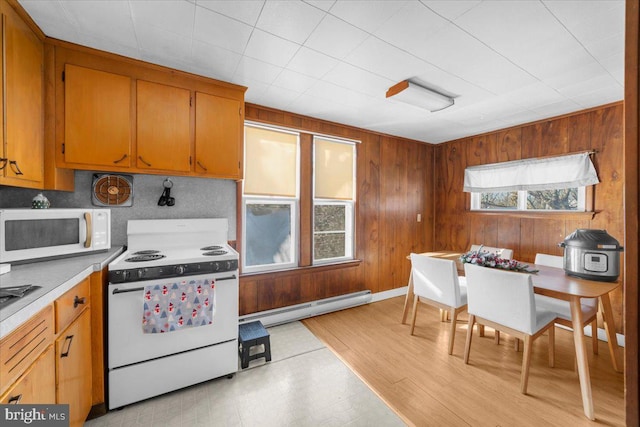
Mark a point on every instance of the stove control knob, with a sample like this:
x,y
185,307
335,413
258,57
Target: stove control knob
x,y
141,273
216,266
179,270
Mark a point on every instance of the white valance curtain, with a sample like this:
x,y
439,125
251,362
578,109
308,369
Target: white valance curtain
x,y
550,173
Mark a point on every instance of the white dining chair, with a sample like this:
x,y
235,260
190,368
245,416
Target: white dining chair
x,y
436,283
589,306
505,301
503,253
500,252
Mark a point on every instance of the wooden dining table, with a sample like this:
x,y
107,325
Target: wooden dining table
x,y
554,282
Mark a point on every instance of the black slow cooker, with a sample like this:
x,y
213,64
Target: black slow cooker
x,y
592,254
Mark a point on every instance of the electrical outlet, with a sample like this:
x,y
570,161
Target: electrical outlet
x,y
419,218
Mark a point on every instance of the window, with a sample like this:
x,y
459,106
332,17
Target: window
x,y
270,199
566,199
333,199
544,184
289,218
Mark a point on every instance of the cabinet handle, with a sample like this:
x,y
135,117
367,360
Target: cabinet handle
x,y
77,301
201,165
124,156
68,339
14,400
15,168
142,160
4,163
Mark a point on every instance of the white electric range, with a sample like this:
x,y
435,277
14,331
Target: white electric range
x,y
166,253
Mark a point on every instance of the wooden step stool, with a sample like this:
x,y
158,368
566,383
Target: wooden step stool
x,y
250,335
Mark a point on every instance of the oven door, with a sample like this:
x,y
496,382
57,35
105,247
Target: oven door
x,y
128,343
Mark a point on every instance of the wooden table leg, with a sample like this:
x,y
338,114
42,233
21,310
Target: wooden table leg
x,y
408,298
609,327
581,358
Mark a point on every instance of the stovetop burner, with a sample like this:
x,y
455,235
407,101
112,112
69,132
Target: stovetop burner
x,y
211,248
145,257
146,252
216,252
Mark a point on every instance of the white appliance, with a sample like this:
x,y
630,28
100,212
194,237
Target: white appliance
x,y
142,365
29,234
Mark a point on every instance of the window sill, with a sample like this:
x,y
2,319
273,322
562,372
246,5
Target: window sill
x,y
300,270
538,215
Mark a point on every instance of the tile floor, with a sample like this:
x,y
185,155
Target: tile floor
x,y
305,384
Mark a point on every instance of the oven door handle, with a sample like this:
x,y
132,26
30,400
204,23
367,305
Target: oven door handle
x,y
232,277
123,291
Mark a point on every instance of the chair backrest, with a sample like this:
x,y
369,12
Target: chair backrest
x,y
550,260
500,252
504,297
436,279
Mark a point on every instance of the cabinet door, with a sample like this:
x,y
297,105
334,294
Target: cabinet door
x,y
97,118
163,131
24,127
73,368
219,135
37,385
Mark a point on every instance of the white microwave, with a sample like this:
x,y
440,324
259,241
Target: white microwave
x,y
29,234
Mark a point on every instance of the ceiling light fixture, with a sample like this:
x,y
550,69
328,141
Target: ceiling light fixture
x,y
419,96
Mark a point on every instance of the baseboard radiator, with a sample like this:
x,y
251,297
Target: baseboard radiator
x,y
302,311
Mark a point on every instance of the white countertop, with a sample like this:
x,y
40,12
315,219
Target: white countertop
x,y
55,277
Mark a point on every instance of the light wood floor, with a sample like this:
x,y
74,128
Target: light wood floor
x,y
425,386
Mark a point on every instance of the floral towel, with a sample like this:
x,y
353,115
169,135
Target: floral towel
x,y
180,305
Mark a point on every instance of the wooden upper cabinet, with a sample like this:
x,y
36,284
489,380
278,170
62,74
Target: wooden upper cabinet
x,y
163,127
97,122
23,93
219,136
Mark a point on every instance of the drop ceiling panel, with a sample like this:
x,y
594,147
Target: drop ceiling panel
x,y
243,11
335,38
214,28
269,48
505,62
290,20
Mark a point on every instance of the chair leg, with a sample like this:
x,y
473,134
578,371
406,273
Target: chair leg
x,y
552,346
594,335
516,344
480,330
414,312
452,333
526,360
496,337
467,346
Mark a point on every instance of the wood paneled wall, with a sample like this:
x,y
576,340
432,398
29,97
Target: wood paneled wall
x,y
632,219
456,228
394,185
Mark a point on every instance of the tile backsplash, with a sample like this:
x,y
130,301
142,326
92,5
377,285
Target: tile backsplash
x,y
194,198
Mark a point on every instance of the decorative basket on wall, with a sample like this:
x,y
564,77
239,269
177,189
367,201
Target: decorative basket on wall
x,y
112,190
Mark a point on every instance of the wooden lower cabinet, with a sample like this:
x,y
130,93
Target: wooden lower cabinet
x,y
73,368
37,385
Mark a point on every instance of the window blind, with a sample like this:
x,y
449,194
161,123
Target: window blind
x,y
270,162
550,173
333,169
